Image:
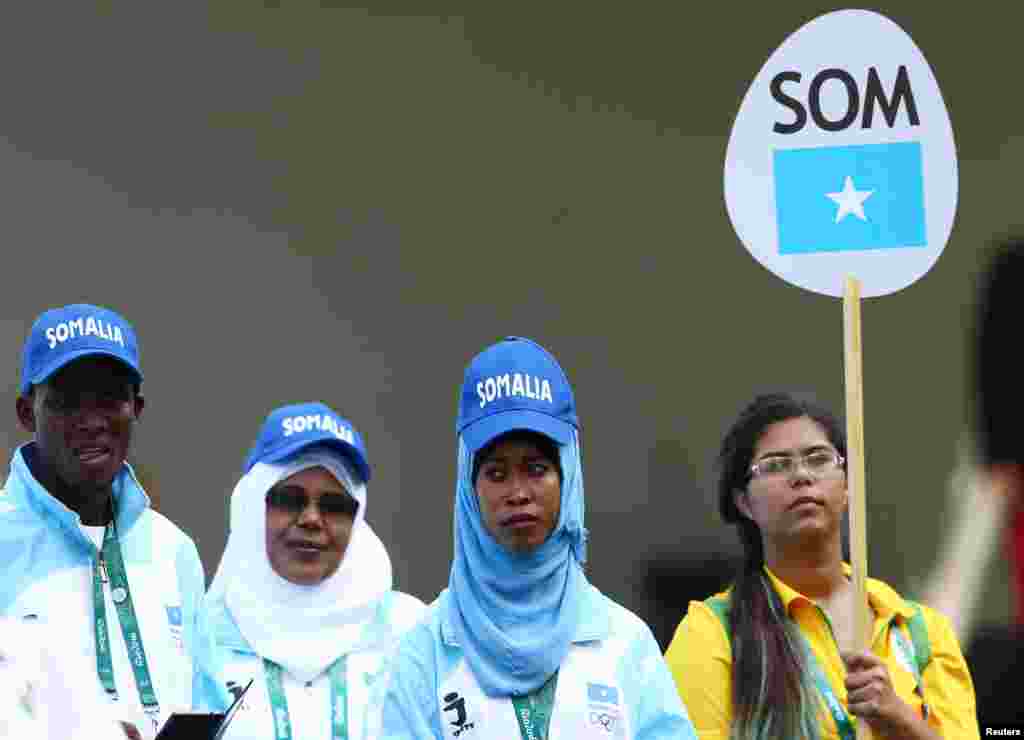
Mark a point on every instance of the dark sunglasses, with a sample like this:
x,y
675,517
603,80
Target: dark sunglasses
x,y
295,501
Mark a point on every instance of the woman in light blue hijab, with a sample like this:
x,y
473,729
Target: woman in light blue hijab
x,y
520,645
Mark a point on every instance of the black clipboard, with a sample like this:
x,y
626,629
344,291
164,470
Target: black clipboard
x,y
200,725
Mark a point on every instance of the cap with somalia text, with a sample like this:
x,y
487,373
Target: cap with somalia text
x,y
515,385
290,430
62,335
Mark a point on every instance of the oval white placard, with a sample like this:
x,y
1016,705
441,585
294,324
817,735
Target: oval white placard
x,y
842,160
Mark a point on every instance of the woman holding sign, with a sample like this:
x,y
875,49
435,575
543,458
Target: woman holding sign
x,y
520,645
302,602
771,656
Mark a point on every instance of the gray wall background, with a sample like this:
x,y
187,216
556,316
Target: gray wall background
x,y
310,202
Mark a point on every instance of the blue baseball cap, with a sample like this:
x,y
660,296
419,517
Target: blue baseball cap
x,y
515,385
289,430
62,335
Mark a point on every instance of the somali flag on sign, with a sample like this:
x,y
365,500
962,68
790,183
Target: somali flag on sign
x,y
598,692
845,198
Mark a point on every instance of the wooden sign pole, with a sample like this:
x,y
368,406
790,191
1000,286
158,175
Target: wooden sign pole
x,y
853,367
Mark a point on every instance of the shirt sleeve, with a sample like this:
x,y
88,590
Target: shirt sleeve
x,y
209,692
403,612
406,697
657,712
946,682
47,689
700,661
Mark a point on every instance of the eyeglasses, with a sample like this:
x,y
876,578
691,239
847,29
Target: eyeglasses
x,y
294,502
818,463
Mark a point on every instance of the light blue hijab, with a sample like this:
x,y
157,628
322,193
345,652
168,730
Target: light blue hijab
x,y
515,614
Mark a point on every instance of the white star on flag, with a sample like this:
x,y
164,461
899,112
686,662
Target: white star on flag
x,y
850,200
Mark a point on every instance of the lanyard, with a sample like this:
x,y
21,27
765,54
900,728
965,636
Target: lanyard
x,y
843,722
279,705
534,710
110,563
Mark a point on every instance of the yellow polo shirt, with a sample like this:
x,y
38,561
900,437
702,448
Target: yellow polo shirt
x,y
700,659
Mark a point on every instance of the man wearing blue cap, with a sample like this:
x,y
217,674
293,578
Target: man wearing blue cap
x,y
520,644
82,552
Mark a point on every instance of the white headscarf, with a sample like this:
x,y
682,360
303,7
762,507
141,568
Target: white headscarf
x,y
304,629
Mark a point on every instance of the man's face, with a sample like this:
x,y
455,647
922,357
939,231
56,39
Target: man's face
x,y
82,419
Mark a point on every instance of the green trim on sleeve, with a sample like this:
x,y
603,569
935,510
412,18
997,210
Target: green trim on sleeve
x,y
918,629
720,606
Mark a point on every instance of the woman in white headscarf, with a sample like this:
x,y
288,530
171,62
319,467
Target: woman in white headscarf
x,y
302,603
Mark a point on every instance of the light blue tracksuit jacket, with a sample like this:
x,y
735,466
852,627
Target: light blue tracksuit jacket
x,y
46,576
309,703
614,684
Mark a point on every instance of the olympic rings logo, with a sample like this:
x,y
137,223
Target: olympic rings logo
x,y
605,720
